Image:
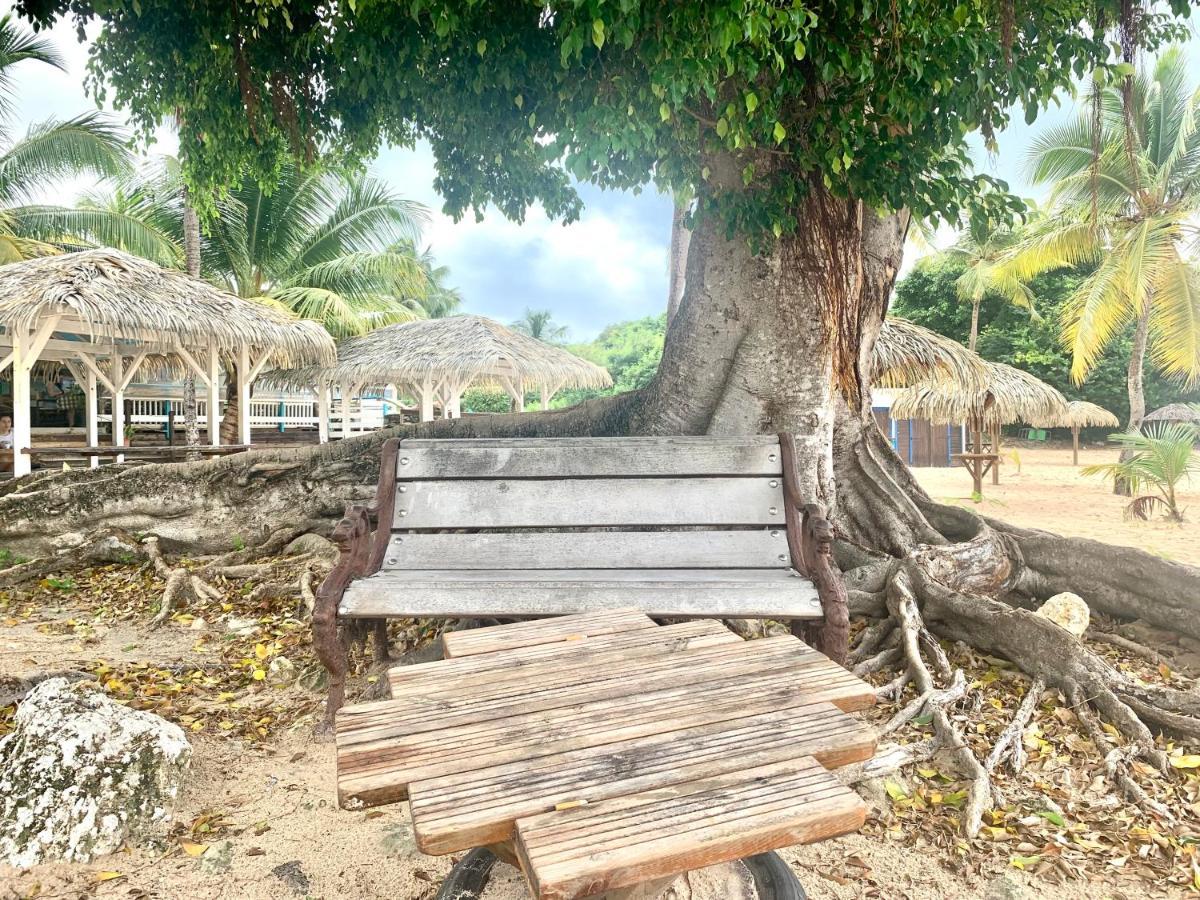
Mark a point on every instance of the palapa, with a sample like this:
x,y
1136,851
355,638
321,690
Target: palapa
x,y
1080,414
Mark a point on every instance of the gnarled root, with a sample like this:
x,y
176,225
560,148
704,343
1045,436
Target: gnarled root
x,y
181,587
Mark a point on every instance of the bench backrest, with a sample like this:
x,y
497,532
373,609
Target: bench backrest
x,y
589,503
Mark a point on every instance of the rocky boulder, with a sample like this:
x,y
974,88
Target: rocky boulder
x,y
80,775
1068,611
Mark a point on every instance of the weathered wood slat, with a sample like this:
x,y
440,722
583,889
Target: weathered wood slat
x,y
454,812
544,631
709,549
723,593
565,502
377,765
613,670
692,633
592,458
642,837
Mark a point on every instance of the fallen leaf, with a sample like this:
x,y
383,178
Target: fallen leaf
x,y
193,849
107,876
1189,761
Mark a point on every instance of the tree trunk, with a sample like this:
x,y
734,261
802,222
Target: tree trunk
x,y
1135,381
191,254
680,238
974,336
229,424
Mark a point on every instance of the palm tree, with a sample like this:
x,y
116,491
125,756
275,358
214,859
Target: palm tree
x,y
440,300
540,324
988,273
87,144
1128,210
1157,460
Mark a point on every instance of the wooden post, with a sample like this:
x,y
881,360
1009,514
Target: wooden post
x,y
91,414
323,413
344,404
1074,445
426,395
214,396
243,393
118,402
22,363
996,451
545,396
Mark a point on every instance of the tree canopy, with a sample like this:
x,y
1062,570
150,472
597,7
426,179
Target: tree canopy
x,y
747,103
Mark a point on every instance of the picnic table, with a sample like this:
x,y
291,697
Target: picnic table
x,y
606,754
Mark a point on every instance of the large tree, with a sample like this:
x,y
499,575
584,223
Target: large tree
x,y
809,134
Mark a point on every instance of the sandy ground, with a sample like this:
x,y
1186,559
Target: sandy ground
x,y
1045,491
262,821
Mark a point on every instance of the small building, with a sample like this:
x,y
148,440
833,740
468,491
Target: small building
x,y
918,442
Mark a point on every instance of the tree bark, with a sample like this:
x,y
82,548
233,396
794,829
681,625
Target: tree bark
x,y
1135,381
680,238
974,336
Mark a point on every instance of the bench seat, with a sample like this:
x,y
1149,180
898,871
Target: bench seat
x,y
724,593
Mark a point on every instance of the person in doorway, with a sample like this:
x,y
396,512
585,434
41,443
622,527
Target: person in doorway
x,y
70,400
6,432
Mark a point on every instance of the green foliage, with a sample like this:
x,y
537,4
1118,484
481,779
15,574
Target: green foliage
x,y
8,558
482,400
928,296
540,324
754,101
1157,458
629,350
64,584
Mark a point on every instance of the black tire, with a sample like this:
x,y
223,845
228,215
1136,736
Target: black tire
x,y
469,876
773,878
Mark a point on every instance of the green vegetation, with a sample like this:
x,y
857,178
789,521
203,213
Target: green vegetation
x,y
986,275
928,295
540,324
1157,458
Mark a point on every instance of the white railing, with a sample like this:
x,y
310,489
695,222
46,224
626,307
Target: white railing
x,y
365,414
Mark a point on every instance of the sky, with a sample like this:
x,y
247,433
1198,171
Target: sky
x,y
609,266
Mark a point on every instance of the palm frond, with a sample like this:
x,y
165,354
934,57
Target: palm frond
x,y
89,144
1175,321
96,227
19,45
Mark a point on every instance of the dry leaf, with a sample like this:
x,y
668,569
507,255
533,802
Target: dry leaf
x,y
193,849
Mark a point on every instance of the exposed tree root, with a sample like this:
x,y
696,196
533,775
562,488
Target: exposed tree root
x,y
181,587
1010,745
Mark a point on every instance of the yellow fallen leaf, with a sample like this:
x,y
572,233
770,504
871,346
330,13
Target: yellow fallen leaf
x,y
107,876
193,849
259,674
1190,761
260,650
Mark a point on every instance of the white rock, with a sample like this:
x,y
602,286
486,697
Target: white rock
x,y
1068,611
281,670
81,775
241,627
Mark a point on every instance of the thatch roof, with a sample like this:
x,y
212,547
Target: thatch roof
x,y
1081,414
461,348
906,354
1176,412
1010,395
112,293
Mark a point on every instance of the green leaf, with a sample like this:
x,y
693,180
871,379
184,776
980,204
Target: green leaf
x,y
1123,70
598,33
780,132
751,101
722,127
799,49
1022,861
481,47
1052,817
664,112
520,101
894,790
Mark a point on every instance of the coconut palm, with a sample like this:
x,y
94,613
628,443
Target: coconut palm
x,y
87,144
540,324
988,273
1157,459
1128,211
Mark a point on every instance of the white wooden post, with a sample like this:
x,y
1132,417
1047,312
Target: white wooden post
x,y
22,425
91,413
323,413
426,392
545,396
243,394
118,401
344,389
214,396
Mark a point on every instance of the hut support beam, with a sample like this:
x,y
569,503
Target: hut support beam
x,y
323,413
213,383
344,404
243,393
27,344
996,433
86,379
1074,445
116,385
425,393
548,392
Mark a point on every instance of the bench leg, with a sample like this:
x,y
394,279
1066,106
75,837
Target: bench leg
x,y
380,642
332,652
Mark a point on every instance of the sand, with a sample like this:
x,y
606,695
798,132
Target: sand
x,y
1045,491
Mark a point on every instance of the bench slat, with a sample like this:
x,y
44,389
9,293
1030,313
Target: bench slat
x,y
544,631
594,457
658,833
452,813
377,765
743,549
589,501
708,593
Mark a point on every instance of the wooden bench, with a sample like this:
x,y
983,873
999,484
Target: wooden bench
x,y
675,527
604,754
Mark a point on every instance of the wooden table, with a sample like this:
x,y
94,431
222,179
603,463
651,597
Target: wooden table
x,y
601,751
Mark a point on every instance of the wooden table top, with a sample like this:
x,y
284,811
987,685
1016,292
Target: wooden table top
x,y
601,750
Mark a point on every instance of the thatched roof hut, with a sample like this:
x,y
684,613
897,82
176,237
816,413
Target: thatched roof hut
x,y
907,354
1080,414
105,315
1009,395
1176,412
438,359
